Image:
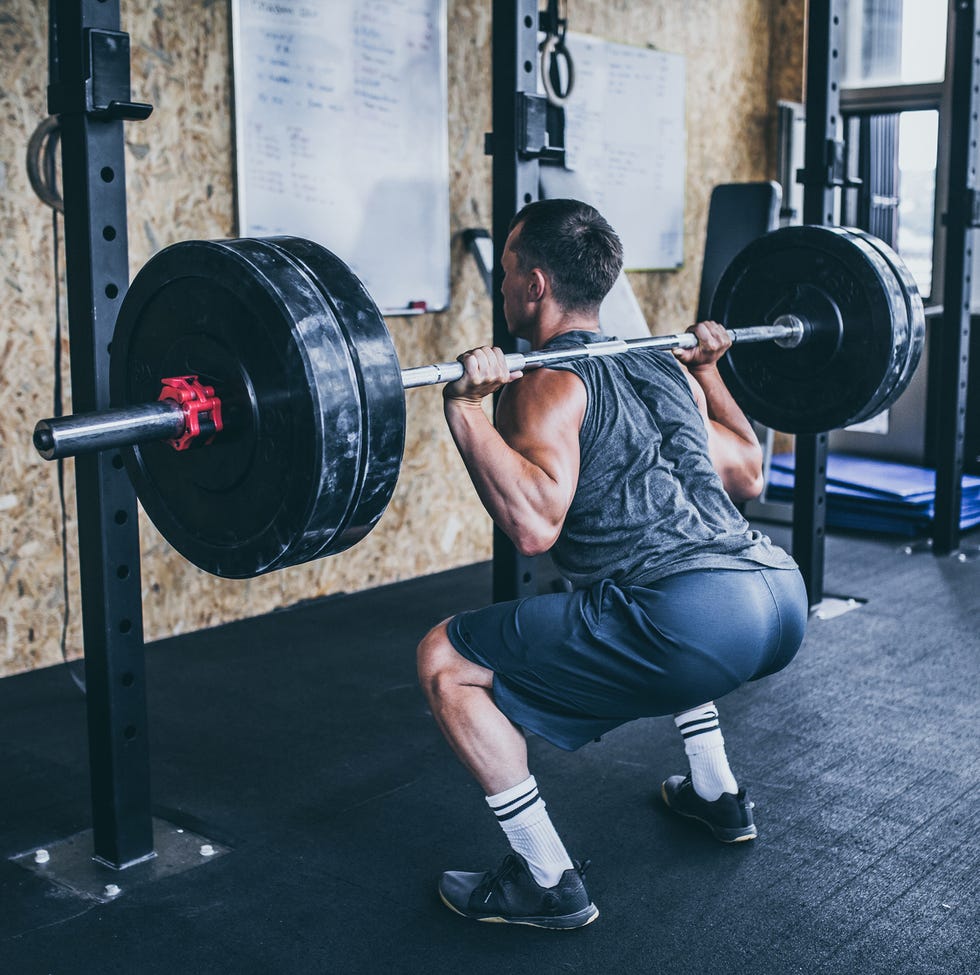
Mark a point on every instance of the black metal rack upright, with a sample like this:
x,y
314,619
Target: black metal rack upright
x,y
962,216
89,92
515,171
822,175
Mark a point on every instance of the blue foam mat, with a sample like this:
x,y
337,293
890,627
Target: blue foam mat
x,y
874,495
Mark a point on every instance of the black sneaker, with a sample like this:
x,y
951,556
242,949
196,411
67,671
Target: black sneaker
x,y
729,817
510,895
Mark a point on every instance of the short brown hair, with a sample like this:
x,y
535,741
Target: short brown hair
x,y
574,245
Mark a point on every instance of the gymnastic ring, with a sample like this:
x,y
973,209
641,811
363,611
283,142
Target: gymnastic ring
x,y
39,158
553,46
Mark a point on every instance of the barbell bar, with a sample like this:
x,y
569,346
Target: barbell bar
x,y
83,433
172,421
284,366
788,331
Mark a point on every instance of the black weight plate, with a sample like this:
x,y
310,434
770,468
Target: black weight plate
x,y
276,485
914,308
901,331
849,295
380,384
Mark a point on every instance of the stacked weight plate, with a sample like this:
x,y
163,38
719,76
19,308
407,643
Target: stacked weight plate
x,y
913,306
309,459
379,384
864,326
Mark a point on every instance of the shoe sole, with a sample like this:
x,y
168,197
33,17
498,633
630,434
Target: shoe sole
x,y
719,832
567,922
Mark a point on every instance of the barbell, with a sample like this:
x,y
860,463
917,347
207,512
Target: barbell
x,y
277,367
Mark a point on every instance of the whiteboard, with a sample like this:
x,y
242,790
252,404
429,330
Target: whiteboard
x,y
626,137
341,136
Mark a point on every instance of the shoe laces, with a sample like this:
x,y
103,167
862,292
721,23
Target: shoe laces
x,y
511,864
493,878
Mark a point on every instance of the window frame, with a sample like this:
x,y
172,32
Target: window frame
x,y
875,99
859,102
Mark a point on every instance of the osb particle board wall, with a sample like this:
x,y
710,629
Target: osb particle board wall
x,y
742,55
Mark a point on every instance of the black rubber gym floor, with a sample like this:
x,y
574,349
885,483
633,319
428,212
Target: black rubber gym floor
x,y
301,742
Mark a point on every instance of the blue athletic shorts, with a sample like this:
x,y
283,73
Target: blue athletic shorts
x,y
572,666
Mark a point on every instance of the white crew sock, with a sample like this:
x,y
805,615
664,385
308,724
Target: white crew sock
x,y
705,749
523,818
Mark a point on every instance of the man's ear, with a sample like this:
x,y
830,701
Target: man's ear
x,y
537,285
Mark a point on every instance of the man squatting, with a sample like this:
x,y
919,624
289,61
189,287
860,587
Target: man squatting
x,y
625,468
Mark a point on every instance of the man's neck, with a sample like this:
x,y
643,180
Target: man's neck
x,y
550,326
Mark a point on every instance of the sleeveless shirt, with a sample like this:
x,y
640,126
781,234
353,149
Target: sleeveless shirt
x,y
648,502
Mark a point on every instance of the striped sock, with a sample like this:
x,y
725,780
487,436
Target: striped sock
x,y
705,749
523,818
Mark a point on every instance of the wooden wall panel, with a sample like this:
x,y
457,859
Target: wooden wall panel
x,y
180,182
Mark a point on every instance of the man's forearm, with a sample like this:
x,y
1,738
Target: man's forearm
x,y
722,408
732,443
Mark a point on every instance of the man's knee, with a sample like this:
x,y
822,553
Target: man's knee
x,y
441,668
431,656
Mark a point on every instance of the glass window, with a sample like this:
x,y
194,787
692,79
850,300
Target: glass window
x,y
918,141
891,42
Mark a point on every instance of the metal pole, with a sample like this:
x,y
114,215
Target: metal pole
x,y
127,426
93,167
70,436
788,331
515,183
952,337
821,176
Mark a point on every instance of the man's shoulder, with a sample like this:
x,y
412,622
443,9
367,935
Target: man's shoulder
x,y
543,394
549,381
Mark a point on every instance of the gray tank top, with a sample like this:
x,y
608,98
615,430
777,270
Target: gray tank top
x,y
648,502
